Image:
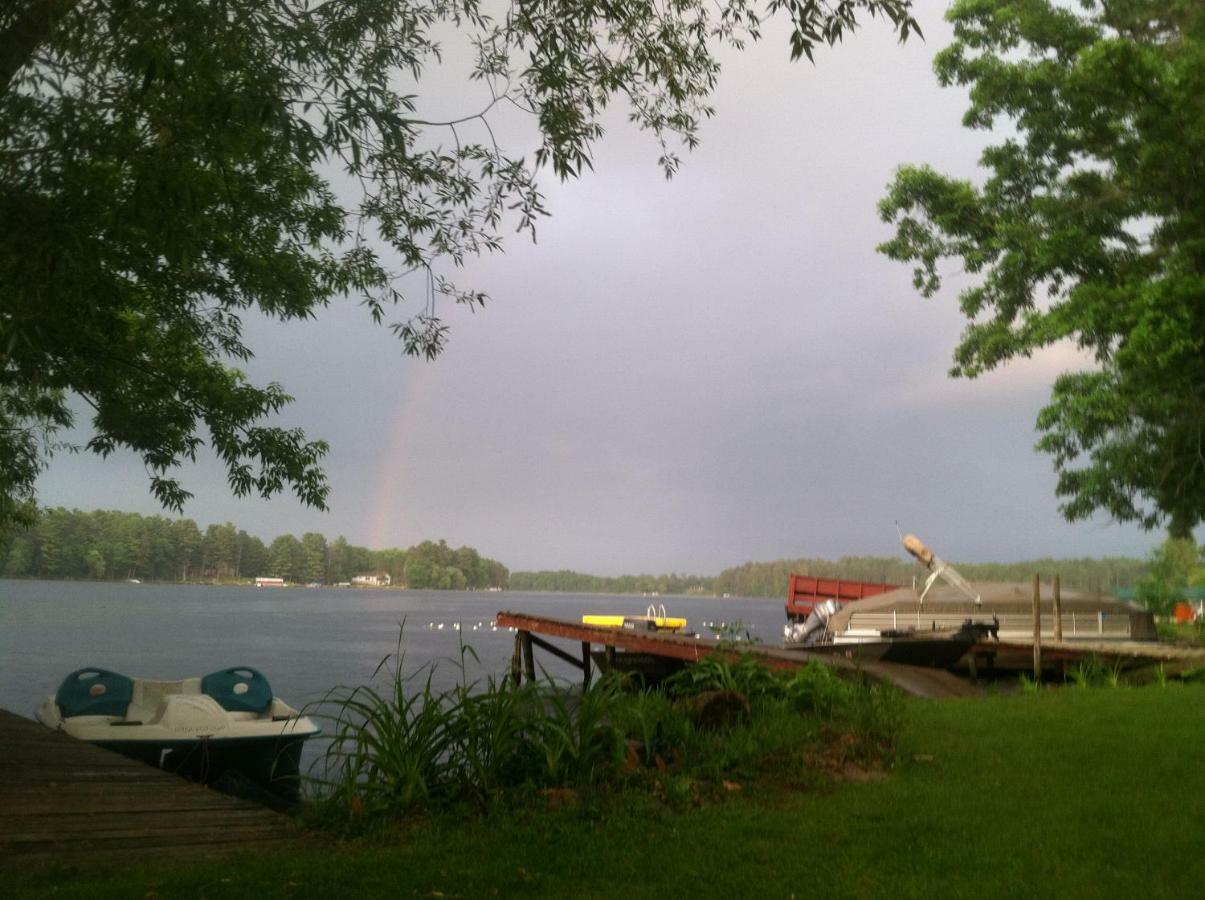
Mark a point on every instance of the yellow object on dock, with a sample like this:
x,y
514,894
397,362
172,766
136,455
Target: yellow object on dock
x,y
640,623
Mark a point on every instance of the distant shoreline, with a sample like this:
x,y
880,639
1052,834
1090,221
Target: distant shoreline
x,y
378,588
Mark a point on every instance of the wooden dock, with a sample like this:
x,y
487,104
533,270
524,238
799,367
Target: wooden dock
x,y
1126,655
914,680
64,800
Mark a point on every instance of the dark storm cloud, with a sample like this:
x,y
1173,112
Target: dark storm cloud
x,y
684,376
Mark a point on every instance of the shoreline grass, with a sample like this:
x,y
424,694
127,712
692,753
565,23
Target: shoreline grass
x,y
1068,793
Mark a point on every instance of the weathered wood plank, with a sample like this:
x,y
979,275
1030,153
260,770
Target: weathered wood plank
x,y
64,799
20,803
167,819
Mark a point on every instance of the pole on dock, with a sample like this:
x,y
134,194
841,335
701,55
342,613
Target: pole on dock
x,y
1037,629
529,658
516,662
586,665
1058,611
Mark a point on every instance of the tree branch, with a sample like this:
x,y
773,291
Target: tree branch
x,y
31,28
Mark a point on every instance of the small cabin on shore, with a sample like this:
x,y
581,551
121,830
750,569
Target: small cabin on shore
x,y
375,579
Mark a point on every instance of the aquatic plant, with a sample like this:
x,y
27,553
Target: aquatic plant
x,y
576,735
1093,671
817,688
399,746
732,633
746,676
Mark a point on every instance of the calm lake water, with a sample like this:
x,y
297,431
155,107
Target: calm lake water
x,y
305,640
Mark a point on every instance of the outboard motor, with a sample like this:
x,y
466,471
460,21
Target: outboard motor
x,y
811,629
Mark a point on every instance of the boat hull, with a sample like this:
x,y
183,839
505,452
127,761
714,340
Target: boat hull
x,y
933,653
274,762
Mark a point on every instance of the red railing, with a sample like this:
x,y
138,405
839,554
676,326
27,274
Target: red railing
x,y
805,592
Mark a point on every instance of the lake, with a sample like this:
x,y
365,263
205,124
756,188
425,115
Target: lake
x,y
305,640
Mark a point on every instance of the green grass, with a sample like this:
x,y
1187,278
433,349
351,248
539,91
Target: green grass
x,y
1067,793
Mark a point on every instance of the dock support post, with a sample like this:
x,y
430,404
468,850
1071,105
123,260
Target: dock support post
x,y
1061,665
1058,611
586,665
529,659
609,654
1037,629
516,662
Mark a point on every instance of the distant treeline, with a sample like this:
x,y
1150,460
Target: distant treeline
x,y
108,545
576,582
770,579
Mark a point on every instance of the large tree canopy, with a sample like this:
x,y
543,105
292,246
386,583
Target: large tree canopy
x,y
1089,226
167,165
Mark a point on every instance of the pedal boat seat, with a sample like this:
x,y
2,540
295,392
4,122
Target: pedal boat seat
x,y
94,692
239,689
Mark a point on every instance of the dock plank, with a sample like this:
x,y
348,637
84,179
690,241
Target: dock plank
x,y
66,800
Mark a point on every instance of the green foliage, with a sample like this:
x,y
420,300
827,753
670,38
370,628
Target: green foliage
x,y
1088,228
873,713
716,673
577,582
436,565
1096,672
1191,633
660,727
1174,564
770,579
405,747
818,689
401,747
575,735
165,167
107,544
730,634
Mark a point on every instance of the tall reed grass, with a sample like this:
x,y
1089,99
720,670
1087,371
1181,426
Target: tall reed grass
x,y
398,746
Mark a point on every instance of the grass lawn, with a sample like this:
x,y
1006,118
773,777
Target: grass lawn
x,y
1068,793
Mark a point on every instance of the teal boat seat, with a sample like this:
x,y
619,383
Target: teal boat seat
x,y
94,692
240,689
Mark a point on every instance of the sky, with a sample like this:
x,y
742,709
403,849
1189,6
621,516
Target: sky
x,y
683,375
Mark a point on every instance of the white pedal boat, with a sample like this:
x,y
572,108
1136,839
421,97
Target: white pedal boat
x,y
199,727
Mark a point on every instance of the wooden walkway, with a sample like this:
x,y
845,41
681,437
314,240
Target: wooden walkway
x,y
64,800
1128,655
914,680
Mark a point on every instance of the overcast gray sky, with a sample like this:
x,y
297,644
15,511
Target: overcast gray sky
x,y
684,375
